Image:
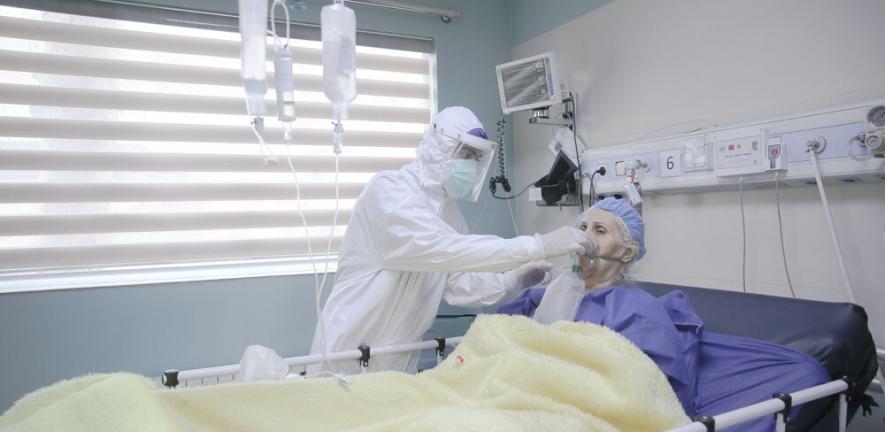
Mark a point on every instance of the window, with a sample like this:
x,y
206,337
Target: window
x,y
125,144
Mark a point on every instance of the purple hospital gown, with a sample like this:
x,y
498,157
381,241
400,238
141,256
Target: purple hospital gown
x,y
710,372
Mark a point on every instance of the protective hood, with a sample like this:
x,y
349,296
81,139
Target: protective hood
x,y
435,151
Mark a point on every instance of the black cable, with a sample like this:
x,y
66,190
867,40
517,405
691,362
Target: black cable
x,y
502,168
599,171
513,196
577,153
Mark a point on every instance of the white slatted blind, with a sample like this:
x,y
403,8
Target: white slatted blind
x,y
126,143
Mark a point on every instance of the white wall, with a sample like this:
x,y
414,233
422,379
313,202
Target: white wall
x,y
640,66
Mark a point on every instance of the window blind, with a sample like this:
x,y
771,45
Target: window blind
x,y
126,143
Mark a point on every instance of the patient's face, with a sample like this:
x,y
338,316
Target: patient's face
x,y
604,227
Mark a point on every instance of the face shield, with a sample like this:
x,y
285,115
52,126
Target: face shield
x,y
471,160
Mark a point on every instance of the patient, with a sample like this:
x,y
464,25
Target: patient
x,y
710,373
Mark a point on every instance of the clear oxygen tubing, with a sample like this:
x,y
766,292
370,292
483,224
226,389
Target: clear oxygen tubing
x,y
595,257
823,197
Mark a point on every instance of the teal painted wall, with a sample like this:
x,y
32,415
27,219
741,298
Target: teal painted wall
x,y
48,336
530,18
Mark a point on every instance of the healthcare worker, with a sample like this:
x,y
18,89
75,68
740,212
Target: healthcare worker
x,y
406,249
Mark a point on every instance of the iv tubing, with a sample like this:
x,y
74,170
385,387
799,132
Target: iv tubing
x,y
319,285
263,147
270,157
319,294
273,21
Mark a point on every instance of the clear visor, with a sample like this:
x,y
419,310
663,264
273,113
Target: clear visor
x,y
482,151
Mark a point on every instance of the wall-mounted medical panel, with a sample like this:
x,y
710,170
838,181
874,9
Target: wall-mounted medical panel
x,y
752,154
737,156
795,142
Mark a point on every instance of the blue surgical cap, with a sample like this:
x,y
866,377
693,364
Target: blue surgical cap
x,y
631,218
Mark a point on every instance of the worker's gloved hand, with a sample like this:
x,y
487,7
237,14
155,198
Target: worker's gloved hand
x,y
527,275
564,241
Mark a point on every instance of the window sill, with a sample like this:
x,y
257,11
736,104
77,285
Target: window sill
x,y
145,275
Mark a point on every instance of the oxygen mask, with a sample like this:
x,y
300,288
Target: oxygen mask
x,y
587,264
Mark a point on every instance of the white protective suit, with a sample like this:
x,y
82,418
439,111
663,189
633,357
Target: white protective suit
x,y
405,250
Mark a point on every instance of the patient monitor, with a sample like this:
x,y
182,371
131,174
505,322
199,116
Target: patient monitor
x,y
529,83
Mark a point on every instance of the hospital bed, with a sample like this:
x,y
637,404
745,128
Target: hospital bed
x,y
835,334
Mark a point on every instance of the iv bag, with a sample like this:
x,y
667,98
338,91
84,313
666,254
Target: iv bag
x,y
338,28
253,54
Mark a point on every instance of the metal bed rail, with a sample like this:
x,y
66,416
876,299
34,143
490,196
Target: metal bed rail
x,y
779,405
173,377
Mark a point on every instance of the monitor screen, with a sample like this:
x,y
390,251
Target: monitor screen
x,y
528,83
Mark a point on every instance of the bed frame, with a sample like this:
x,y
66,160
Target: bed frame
x,y
835,334
850,357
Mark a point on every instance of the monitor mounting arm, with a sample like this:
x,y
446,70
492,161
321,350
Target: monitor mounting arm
x,y
542,115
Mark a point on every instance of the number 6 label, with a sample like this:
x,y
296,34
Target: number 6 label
x,y
671,163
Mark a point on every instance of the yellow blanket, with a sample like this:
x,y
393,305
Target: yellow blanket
x,y
509,374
